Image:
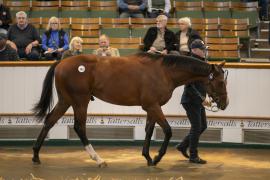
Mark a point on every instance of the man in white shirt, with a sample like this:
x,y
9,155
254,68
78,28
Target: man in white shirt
x,y
158,7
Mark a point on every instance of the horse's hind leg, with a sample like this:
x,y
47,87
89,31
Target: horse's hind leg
x,y
149,128
50,120
80,115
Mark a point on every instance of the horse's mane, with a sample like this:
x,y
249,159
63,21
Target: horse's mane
x,y
184,62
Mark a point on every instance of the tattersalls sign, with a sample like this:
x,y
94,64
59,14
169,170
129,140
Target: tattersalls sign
x,y
112,120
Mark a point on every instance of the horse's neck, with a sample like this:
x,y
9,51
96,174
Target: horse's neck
x,y
180,78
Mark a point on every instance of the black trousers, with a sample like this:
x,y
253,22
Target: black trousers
x,y
53,56
197,117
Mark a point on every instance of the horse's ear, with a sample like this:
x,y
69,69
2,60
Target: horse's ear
x,y
222,64
214,68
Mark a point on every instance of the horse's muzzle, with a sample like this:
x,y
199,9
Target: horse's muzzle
x,y
223,106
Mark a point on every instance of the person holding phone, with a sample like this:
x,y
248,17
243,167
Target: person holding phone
x,y
104,47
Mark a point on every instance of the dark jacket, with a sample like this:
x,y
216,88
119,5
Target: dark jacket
x,y
22,37
151,36
8,54
192,35
61,37
194,92
5,17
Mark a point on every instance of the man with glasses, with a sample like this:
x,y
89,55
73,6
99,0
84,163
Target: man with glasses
x,y
24,38
193,100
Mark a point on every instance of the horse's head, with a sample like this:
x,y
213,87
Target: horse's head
x,y
216,86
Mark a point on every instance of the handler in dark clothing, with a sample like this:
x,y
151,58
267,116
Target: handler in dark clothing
x,y
24,38
159,39
5,18
193,101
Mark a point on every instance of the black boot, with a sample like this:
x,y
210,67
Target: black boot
x,y
197,160
183,150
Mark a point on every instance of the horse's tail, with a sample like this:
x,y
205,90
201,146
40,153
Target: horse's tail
x,y
46,99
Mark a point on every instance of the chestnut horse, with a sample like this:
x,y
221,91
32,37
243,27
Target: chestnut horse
x,y
138,80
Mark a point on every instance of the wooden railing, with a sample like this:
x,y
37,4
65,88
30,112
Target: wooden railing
x,y
48,63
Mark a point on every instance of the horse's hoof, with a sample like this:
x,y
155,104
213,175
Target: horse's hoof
x,y
36,161
150,163
103,165
156,160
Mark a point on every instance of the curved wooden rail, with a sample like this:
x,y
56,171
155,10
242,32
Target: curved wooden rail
x,y
48,63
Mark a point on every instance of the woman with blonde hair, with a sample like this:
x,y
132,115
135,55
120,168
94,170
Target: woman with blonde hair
x,y
104,47
185,36
54,40
75,47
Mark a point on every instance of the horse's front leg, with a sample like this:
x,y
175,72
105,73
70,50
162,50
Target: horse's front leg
x,y
149,128
168,134
154,112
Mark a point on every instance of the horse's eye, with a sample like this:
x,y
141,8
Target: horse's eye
x,y
221,84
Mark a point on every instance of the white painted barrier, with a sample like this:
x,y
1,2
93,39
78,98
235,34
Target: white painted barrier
x,y
248,90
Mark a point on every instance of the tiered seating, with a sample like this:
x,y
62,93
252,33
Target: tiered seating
x,y
44,9
125,29
188,9
75,9
140,26
125,45
234,27
206,27
223,47
222,9
216,9
82,30
116,27
16,6
246,10
89,19
105,9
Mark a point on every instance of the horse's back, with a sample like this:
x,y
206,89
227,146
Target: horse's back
x,y
118,80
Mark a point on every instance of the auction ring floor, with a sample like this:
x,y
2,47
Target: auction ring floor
x,y
66,163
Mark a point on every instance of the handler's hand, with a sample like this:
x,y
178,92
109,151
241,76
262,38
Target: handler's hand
x,y
206,103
